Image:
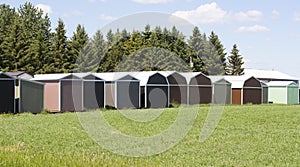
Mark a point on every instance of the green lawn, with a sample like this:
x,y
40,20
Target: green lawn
x,y
258,135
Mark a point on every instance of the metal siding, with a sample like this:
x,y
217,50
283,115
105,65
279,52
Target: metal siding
x,y
31,97
293,95
157,96
71,95
93,97
110,94
278,95
252,95
221,94
128,94
51,96
178,94
236,96
7,100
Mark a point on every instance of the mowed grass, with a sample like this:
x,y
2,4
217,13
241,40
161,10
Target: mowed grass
x,y
249,135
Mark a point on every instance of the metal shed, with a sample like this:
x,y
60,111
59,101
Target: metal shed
x,y
7,95
283,92
252,91
199,88
121,90
265,92
177,86
93,91
221,90
31,96
62,92
154,89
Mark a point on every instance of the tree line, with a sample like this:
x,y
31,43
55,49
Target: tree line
x,y
27,43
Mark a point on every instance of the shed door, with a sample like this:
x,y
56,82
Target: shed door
x,y
128,94
178,94
236,96
71,95
252,95
32,97
157,96
200,95
7,96
93,95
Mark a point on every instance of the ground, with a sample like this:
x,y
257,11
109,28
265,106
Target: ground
x,y
249,135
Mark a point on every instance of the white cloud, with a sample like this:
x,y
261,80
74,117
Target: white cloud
x,y
207,14
107,17
297,17
255,28
152,1
45,8
74,13
211,13
251,15
275,14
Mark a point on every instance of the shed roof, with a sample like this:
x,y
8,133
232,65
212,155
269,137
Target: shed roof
x,y
236,81
281,83
218,78
189,75
268,74
20,74
5,75
49,77
114,76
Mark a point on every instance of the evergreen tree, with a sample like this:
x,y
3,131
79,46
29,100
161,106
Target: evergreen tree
x,y
60,61
235,62
218,46
77,43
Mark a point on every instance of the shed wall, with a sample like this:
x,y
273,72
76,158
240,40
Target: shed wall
x,y
157,96
236,96
51,96
31,96
278,95
252,95
93,94
7,96
293,95
110,94
128,94
71,95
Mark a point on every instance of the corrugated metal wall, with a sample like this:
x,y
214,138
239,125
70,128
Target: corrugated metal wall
x,y
31,97
7,96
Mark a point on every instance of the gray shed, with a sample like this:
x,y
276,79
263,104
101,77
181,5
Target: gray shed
x,y
121,90
93,91
154,89
20,95
221,90
7,95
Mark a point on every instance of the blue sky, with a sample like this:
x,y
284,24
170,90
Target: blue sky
x,y
267,32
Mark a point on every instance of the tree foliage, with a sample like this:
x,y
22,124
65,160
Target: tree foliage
x,y
27,43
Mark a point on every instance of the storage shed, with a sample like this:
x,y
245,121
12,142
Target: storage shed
x,y
154,89
252,91
7,95
62,92
199,88
122,90
177,86
93,91
246,90
221,90
283,92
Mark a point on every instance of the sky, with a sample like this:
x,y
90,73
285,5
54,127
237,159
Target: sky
x,y
266,32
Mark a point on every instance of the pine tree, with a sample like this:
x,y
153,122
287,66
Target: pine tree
x,y
219,48
60,61
77,43
235,62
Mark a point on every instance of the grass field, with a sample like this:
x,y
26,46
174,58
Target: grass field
x,y
258,135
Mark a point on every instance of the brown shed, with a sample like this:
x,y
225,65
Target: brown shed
x,y
246,90
199,88
62,92
178,87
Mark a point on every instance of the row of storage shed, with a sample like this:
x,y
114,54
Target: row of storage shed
x,y
150,89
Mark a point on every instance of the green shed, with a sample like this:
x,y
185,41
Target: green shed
x,y
283,92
